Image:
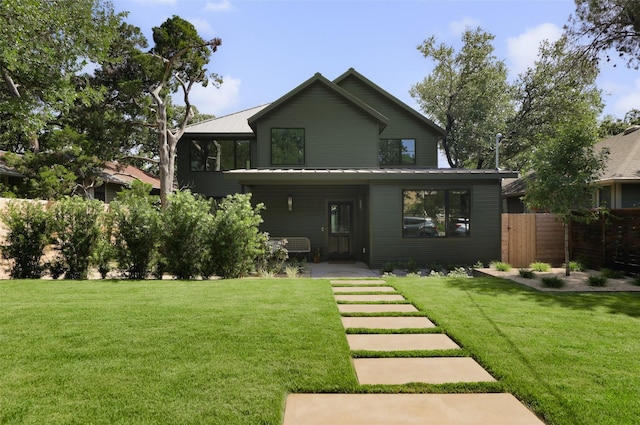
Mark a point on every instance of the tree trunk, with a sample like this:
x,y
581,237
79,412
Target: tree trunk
x,y
567,268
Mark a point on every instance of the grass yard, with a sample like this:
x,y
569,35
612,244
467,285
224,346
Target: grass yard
x,y
574,358
212,352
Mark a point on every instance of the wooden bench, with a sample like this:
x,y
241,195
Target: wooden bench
x,y
295,244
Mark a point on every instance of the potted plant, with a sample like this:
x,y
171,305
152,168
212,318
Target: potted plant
x,y
316,255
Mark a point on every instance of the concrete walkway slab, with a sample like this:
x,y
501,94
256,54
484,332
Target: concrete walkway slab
x,y
357,282
369,298
387,322
430,370
356,289
400,342
376,308
407,409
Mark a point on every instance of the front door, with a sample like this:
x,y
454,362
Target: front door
x,y
340,230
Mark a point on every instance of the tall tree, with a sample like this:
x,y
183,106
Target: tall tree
x,y
559,88
600,25
43,44
565,169
468,95
175,63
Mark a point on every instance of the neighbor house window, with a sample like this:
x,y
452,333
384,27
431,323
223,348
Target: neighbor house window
x,y
287,146
233,154
397,152
436,213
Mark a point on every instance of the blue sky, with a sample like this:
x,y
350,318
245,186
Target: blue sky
x,y
269,47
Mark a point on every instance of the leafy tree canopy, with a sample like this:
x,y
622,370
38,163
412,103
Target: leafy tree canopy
x,y
600,25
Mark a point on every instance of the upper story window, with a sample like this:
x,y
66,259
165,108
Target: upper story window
x,y
397,152
436,213
232,154
287,146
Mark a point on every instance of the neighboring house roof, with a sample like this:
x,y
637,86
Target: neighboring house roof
x,y
111,173
236,123
623,162
126,174
319,79
355,74
351,175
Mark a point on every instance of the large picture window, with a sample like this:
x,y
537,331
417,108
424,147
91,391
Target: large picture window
x,y
436,213
287,146
232,154
397,152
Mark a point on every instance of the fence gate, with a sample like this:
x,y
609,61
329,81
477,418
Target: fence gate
x,y
532,237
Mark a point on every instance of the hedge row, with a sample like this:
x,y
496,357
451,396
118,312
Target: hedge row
x,y
191,237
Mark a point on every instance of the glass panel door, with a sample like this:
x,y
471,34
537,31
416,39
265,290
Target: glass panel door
x,y
340,230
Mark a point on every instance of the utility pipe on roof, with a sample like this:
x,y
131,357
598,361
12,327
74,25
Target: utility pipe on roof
x,y
498,138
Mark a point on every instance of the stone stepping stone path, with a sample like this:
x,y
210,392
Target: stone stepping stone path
x,y
403,322
402,409
406,409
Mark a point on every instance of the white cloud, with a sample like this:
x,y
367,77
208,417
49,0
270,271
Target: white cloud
x,y
627,99
216,101
202,26
219,6
459,27
523,49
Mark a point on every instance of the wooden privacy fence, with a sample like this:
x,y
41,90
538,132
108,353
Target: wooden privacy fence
x,y
532,237
611,241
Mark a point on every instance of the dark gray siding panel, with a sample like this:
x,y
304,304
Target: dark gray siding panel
x,y
309,215
337,134
401,123
388,245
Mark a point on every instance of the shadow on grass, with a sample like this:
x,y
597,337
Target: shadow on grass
x,y
627,303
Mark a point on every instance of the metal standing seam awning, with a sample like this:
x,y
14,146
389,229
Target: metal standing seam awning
x,y
359,175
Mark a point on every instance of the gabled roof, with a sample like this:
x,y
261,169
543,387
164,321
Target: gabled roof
x,y
339,91
352,73
126,174
623,162
235,123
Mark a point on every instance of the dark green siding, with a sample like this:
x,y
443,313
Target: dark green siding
x,y
402,124
309,215
336,133
388,245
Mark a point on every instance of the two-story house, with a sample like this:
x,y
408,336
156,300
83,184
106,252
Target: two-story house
x,y
352,168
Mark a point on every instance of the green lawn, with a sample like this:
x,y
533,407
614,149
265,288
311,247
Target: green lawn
x,y
227,352
213,352
573,358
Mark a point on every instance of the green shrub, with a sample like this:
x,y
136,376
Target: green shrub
x,y
574,266
273,255
636,281
292,271
233,239
501,266
611,274
28,233
411,266
136,227
527,274
597,280
76,227
182,242
539,266
388,267
104,253
458,272
552,282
